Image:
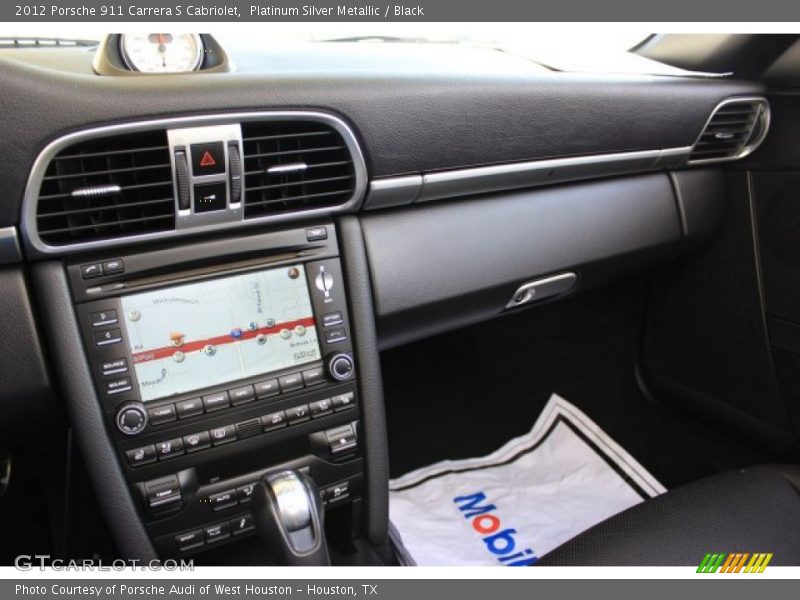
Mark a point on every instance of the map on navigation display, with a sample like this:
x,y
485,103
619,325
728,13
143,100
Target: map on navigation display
x,y
202,334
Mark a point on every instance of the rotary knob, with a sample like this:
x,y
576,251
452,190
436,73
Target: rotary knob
x,y
341,367
131,418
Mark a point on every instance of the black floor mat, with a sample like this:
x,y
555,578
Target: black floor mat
x,y
466,393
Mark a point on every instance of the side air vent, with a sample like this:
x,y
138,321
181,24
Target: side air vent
x,y
293,166
107,188
736,128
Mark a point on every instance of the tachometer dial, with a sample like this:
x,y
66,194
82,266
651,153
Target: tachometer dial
x,y
162,52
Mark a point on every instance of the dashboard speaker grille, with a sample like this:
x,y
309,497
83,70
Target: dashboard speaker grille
x,y
734,130
293,166
107,188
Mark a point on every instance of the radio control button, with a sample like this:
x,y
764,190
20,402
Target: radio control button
x,y
335,336
216,401
104,317
196,441
273,421
161,414
341,367
118,386
331,319
298,414
223,499
189,408
223,435
131,419
265,389
320,408
112,367
343,401
241,395
169,448
291,382
107,337
141,456
313,376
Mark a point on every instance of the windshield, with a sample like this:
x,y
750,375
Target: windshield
x,y
249,35
561,47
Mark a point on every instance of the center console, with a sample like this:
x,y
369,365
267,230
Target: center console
x,y
218,363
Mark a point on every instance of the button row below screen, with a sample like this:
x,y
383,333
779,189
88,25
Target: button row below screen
x,y
219,436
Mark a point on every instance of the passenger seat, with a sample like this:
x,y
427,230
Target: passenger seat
x,y
750,510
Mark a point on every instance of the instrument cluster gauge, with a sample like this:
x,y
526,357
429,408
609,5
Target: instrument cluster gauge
x,y
162,52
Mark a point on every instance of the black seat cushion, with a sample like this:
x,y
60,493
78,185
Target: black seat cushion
x,y
751,510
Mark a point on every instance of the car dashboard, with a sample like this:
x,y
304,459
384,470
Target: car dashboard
x,y
202,269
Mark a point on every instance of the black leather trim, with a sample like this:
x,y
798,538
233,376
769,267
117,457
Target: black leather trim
x,y
86,415
750,510
373,419
26,394
407,122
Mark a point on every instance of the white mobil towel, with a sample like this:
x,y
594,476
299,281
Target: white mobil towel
x,y
518,503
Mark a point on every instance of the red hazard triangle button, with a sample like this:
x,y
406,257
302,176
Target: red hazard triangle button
x,y
208,159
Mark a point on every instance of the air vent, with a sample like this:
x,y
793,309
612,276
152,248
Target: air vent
x,y
107,188
735,129
293,166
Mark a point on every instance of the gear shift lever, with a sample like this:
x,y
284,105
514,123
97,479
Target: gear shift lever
x,y
289,518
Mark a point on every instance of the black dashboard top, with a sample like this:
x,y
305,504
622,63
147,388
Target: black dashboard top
x,y
409,119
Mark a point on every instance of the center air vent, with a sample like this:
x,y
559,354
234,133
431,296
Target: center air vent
x,y
107,188
735,129
133,182
293,166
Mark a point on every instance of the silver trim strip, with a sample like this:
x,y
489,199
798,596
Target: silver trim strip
x,y
290,168
96,191
395,191
39,248
763,117
10,251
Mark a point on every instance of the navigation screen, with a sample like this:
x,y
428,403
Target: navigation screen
x,y
198,335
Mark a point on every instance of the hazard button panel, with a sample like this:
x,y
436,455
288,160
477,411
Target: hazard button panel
x,y
202,187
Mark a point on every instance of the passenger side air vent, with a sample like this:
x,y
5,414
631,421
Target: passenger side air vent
x,y
735,129
293,166
107,188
